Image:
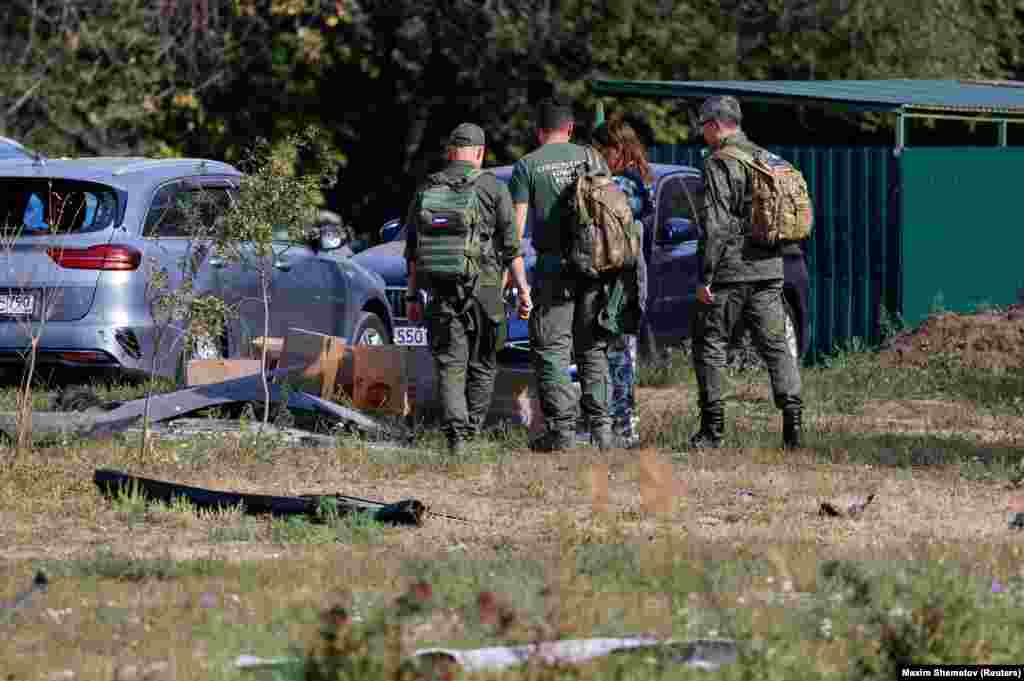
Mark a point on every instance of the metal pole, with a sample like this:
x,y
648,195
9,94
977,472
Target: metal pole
x,y
901,133
1002,133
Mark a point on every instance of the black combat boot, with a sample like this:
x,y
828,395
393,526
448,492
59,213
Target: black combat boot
x,y
791,428
712,424
554,441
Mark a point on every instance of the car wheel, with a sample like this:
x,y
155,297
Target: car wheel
x,y
201,346
370,330
206,346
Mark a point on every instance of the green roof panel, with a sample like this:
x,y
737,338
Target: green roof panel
x,y
959,96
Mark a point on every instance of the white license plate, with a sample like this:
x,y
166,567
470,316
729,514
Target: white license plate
x,y
410,335
17,304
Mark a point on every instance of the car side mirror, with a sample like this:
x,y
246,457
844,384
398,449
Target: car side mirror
x,y
329,238
679,230
390,230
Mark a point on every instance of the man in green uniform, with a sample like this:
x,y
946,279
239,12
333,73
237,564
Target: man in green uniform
x,y
737,279
466,318
563,322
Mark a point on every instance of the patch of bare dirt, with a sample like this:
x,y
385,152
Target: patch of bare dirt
x,y
990,340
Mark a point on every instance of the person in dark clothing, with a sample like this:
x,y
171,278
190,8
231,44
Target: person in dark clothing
x,y
619,144
564,323
738,278
466,321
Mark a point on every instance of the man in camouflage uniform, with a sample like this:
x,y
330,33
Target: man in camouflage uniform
x,y
737,279
466,323
564,322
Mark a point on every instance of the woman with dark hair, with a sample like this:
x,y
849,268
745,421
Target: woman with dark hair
x,y
619,144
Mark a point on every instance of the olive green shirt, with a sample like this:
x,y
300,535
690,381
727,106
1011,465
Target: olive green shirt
x,y
725,252
541,179
499,245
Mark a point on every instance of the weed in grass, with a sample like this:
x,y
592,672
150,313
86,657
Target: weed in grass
x,y
299,530
130,504
242,530
106,564
358,528
349,528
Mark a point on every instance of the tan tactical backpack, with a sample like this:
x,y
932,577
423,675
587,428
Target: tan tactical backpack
x,y
781,207
604,237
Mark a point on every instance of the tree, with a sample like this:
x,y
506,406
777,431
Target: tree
x,y
114,76
277,202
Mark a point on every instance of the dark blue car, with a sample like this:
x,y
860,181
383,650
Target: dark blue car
x,y
672,265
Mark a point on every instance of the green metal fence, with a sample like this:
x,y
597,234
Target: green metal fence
x,y
963,237
853,257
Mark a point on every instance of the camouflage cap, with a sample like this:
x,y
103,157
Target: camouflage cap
x,y
466,135
720,107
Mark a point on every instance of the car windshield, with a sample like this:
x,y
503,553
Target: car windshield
x,y
30,206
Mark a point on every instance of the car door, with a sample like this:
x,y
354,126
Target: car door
x,y
177,236
673,266
308,291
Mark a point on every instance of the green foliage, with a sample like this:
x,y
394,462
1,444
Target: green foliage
x,y
277,198
134,76
130,503
106,564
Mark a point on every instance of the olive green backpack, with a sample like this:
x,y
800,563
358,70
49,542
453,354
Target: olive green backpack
x,y
449,217
781,207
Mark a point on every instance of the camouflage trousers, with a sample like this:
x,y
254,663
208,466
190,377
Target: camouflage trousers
x,y
563,325
622,357
465,349
759,304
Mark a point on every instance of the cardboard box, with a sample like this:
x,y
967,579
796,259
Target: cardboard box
x,y
274,347
317,358
393,379
209,371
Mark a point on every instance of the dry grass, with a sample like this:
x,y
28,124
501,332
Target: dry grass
x,y
255,586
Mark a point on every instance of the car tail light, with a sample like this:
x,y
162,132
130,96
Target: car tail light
x,y
104,257
83,357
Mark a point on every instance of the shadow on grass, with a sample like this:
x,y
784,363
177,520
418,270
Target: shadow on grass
x,y
976,459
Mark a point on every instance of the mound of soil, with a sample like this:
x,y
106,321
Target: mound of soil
x,y
989,340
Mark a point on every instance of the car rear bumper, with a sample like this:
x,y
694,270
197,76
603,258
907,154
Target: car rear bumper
x,y
79,345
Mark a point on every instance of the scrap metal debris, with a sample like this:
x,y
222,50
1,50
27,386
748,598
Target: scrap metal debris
x,y
705,654
405,512
97,422
851,510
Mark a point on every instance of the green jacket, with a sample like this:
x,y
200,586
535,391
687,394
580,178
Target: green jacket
x,y
725,252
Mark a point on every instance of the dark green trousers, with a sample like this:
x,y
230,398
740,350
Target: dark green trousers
x,y
465,347
563,323
759,304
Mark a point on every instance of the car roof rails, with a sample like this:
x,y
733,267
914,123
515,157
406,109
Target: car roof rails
x,y
149,164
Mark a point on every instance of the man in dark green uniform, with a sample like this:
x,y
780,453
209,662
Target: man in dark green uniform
x,y
563,322
466,319
737,279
